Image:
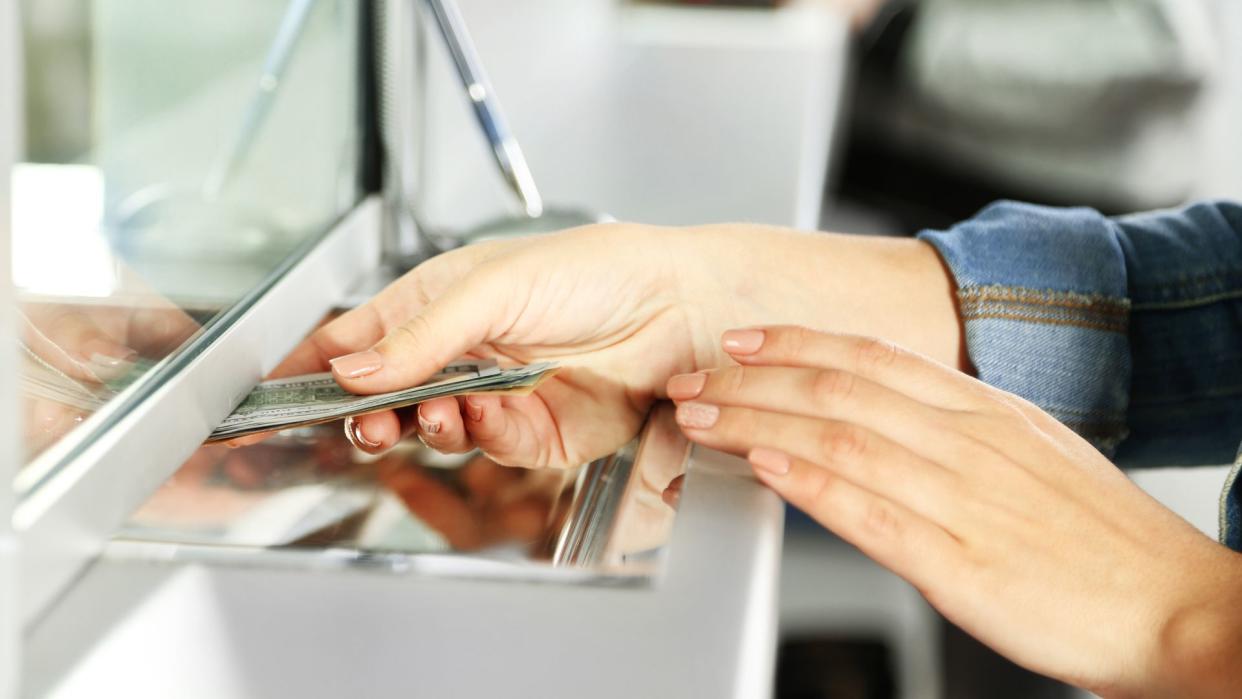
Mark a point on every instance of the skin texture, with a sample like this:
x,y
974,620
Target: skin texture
x,y
1007,522
1010,524
619,319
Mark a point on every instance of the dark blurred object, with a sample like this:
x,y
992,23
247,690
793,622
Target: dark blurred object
x,y
833,668
734,3
974,671
960,103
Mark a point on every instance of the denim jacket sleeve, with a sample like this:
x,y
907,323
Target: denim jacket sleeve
x,y
1128,330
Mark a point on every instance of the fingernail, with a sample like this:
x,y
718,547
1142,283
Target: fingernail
x,y
474,409
358,364
106,353
742,341
353,430
427,426
770,460
686,386
697,415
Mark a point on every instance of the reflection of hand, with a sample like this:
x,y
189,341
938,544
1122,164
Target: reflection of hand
x,y
1009,523
622,308
494,505
93,344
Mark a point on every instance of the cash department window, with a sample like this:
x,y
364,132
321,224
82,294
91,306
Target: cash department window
x,y
179,157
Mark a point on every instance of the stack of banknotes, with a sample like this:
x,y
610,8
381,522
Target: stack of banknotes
x,y
295,401
307,400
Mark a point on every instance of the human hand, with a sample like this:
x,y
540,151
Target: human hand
x,y
1012,526
621,308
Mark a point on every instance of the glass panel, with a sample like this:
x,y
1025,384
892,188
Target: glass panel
x,y
177,154
307,498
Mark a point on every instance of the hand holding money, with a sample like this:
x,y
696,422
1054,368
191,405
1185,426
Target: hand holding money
x,y
315,398
615,326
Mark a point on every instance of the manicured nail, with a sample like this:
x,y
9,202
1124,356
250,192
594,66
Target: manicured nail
x,y
358,364
686,386
474,408
353,430
770,460
742,341
427,426
106,353
697,415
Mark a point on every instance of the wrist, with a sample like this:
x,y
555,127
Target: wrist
x,y
1199,643
895,288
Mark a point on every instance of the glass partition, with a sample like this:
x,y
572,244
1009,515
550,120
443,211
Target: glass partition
x,y
178,156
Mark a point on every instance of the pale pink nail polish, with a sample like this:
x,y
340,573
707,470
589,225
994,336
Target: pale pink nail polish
x,y
427,426
698,416
358,364
771,461
686,386
474,408
746,341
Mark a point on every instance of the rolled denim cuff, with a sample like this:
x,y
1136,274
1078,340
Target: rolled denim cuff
x,y
1231,508
1043,295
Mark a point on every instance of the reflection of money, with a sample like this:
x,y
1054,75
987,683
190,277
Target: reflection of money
x,y
40,379
307,400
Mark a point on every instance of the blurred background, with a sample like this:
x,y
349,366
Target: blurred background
x,y
861,116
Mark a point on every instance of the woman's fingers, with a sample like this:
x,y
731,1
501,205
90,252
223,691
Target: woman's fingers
x,y
360,328
848,451
511,430
832,394
877,360
896,537
465,316
353,330
440,424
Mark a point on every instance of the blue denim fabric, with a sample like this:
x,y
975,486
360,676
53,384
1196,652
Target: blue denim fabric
x,y
1129,330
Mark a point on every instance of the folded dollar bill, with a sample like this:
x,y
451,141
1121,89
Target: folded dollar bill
x,y
307,400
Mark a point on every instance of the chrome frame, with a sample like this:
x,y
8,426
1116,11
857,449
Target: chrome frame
x,y
10,140
64,522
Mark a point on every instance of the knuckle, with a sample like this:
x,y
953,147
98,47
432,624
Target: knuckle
x,y
831,385
881,520
734,380
823,493
874,354
792,341
842,442
415,332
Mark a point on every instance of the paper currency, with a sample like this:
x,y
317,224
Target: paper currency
x,y
307,400
40,379
292,402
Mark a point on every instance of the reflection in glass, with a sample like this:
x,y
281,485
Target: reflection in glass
x,y
309,491
178,153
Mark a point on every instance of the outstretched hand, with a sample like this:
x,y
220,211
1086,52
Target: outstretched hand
x,y
617,326
1010,524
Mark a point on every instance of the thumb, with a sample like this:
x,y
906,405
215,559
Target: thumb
x,y
464,316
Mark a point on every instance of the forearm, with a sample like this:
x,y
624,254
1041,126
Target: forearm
x,y
897,289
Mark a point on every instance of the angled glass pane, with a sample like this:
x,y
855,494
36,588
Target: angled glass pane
x,y
177,156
